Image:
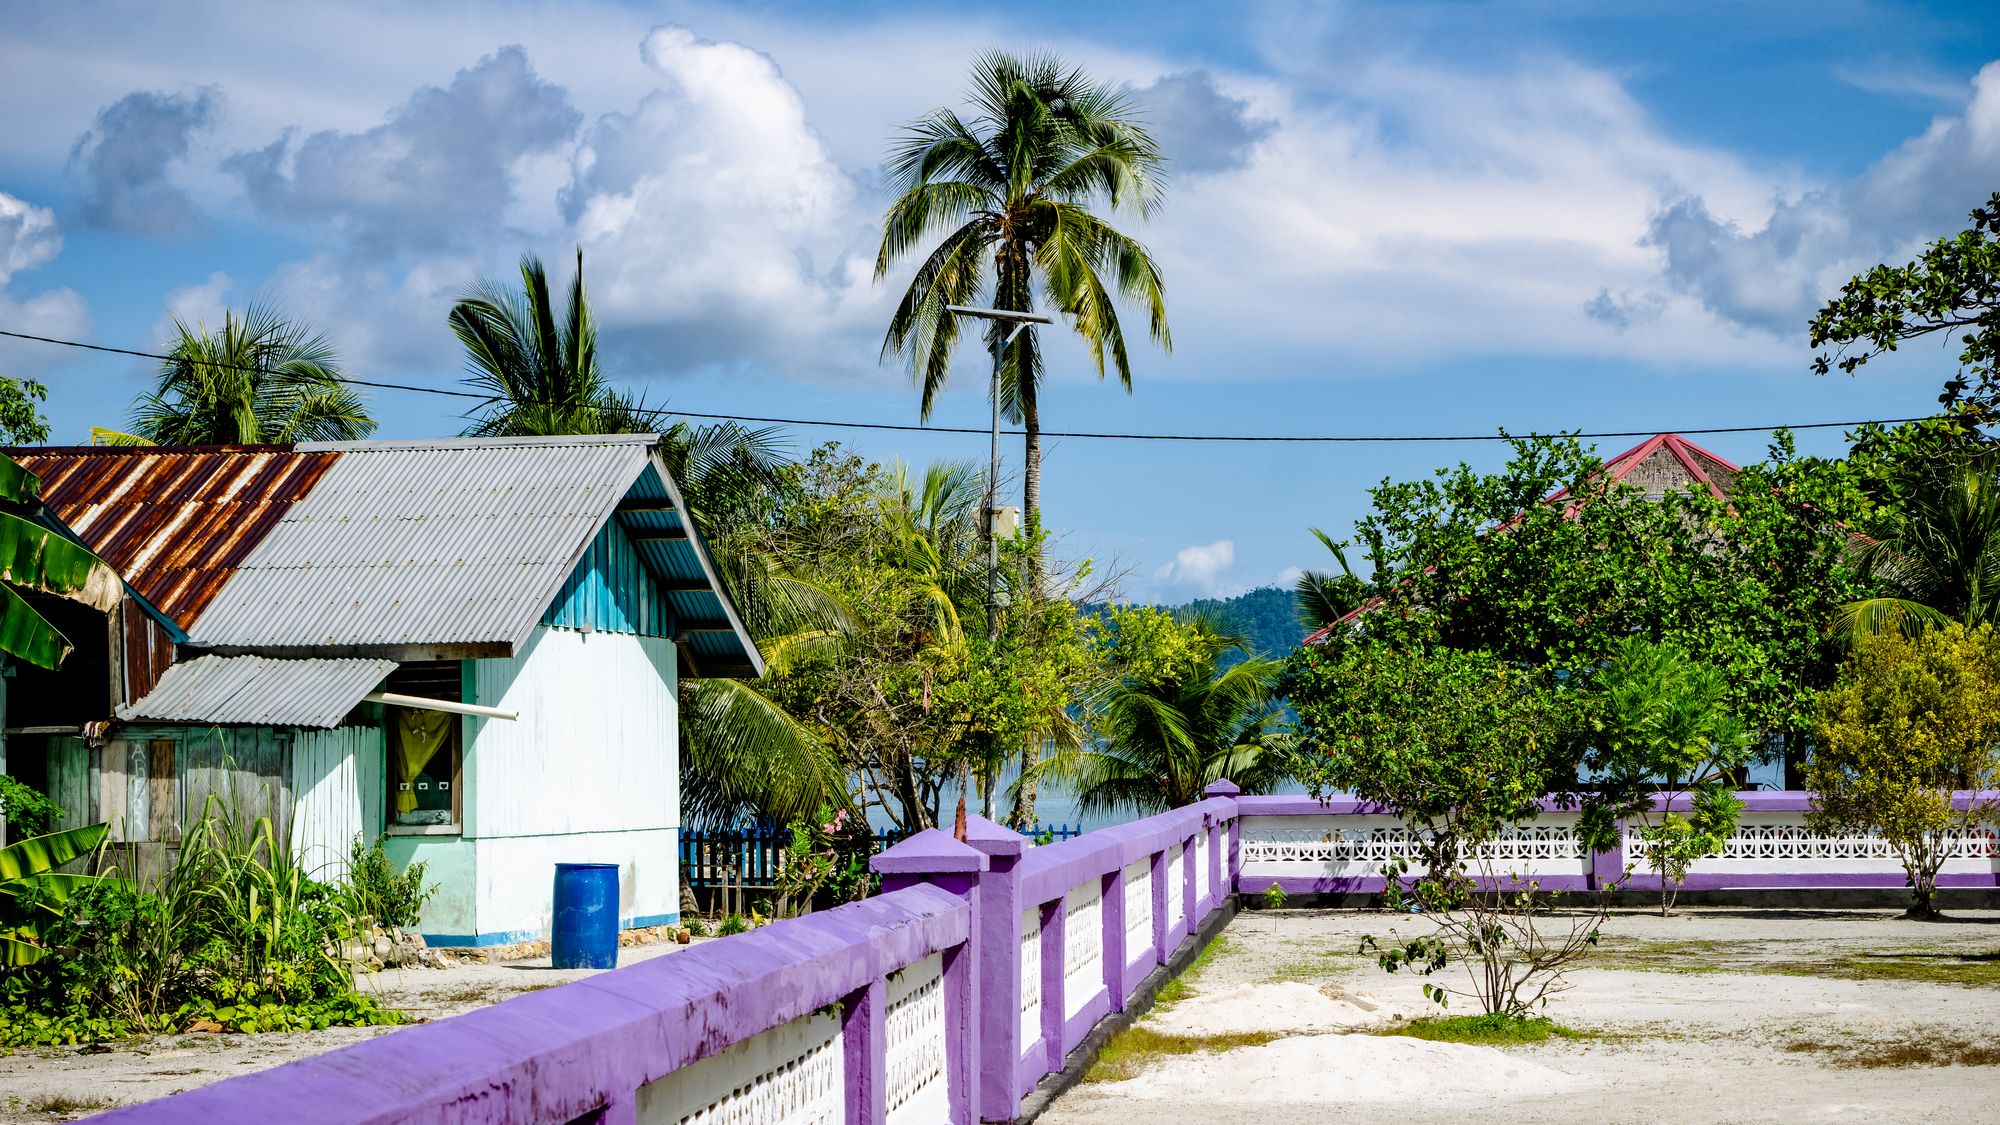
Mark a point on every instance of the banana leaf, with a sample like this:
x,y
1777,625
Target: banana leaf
x,y
16,948
34,556
56,887
39,854
17,484
27,636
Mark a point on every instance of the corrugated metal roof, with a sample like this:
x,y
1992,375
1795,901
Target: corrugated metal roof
x,y
258,691
176,524
452,544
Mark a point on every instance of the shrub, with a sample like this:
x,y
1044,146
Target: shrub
x,y
25,809
378,891
1910,720
236,934
1273,897
696,926
733,924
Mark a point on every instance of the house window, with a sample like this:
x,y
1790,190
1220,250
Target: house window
x,y
424,747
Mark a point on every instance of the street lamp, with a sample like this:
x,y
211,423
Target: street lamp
x,y
1020,321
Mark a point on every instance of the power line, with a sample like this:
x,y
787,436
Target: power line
x,y
902,427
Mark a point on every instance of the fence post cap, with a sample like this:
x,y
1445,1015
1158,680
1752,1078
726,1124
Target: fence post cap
x,y
931,851
993,839
1222,788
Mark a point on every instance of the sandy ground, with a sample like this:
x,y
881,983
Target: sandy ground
x,y
153,1068
1704,1040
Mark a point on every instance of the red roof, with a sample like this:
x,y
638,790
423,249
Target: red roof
x,y
1716,472
175,525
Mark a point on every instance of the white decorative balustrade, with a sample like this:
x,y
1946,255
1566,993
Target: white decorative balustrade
x,y
914,1058
1031,974
1139,911
790,1075
1083,947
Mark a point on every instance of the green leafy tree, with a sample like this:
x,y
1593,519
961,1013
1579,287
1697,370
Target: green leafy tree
x,y
1325,596
21,421
1663,730
1459,744
1175,718
260,378
1952,289
1548,564
1912,720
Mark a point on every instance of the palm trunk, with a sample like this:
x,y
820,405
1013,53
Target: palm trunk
x,y
1023,816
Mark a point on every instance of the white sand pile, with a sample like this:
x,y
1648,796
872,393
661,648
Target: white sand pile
x,y
1346,1068
1269,1007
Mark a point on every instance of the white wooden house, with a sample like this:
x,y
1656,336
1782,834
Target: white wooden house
x,y
471,647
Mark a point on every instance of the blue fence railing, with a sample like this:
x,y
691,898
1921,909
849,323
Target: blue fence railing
x,y
751,857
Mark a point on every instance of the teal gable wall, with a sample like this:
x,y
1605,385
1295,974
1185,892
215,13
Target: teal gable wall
x,y
611,591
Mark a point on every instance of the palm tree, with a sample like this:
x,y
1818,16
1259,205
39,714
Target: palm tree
x,y
1325,597
258,379
1164,741
1943,563
1010,193
538,363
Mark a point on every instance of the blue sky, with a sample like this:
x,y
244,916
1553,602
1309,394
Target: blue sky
x,y
1384,218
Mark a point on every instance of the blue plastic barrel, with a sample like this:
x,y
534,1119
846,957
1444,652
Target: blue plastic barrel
x,y
585,932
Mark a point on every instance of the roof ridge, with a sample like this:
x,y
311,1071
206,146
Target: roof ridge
x,y
537,441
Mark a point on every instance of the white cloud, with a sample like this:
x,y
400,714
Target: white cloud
x,y
1772,276
29,237
1202,570
712,216
199,305
436,174
127,156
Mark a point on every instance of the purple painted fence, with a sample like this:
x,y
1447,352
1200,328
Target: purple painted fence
x,y
1338,847
945,998
977,971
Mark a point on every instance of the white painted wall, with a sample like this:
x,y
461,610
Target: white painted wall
x,y
589,773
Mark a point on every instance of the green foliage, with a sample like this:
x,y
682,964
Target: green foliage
x,y
21,420
1911,720
539,362
1497,1029
1457,743
732,924
696,927
1273,897
258,379
1003,202
376,890
1322,597
235,934
22,807
1662,728
1267,619
1941,561
1953,288
1488,563
33,894
828,858
36,558
1174,719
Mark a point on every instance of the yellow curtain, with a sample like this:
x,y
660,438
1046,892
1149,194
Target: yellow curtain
x,y
419,736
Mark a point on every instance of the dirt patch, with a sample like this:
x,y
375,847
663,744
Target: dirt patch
x,y
1917,1050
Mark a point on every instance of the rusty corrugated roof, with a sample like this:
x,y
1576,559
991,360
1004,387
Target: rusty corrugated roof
x,y
174,524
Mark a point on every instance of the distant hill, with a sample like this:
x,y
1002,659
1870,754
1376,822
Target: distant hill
x,y
1267,618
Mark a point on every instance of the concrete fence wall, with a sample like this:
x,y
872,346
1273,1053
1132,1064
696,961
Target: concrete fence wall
x,y
980,968
946,998
1339,847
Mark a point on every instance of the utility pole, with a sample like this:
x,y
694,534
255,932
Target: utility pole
x,y
991,513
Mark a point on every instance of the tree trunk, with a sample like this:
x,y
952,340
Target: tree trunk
x,y
1023,816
